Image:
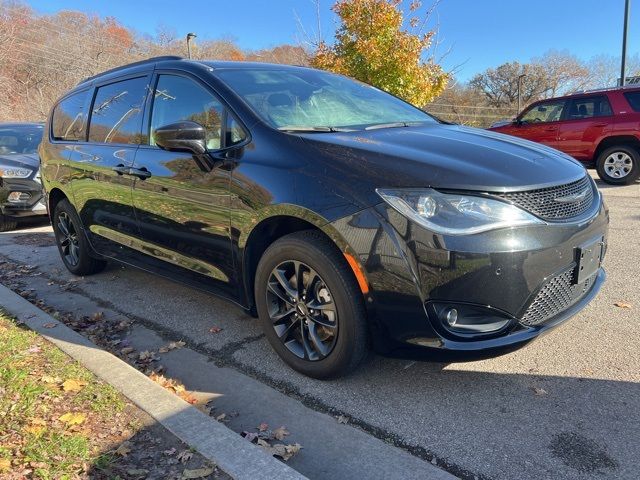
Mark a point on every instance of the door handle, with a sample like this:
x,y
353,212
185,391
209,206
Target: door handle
x,y
121,169
141,173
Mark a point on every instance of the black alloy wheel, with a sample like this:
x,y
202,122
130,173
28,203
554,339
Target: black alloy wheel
x,y
68,239
72,242
302,310
310,305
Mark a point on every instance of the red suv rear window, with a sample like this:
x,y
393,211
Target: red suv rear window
x,y
634,100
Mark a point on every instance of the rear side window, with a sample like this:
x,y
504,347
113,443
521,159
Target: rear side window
x,y
116,115
634,100
68,120
589,107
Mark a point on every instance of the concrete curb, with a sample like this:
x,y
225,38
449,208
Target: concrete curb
x,y
236,456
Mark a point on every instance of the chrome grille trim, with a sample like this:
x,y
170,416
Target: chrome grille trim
x,y
547,203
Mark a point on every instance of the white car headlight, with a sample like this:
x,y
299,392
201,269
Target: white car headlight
x,y
455,214
7,171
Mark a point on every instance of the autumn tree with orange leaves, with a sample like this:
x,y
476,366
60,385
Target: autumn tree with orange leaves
x,y
373,45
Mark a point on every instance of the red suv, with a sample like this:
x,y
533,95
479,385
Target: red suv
x,y
600,127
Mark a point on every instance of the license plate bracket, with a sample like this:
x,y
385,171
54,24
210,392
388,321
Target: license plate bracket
x,y
589,257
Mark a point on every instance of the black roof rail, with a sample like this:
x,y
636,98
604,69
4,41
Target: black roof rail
x,y
134,64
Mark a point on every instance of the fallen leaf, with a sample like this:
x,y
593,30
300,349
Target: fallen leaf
x,y
280,433
34,349
171,346
170,452
73,385
342,419
124,449
285,452
73,418
539,391
96,317
137,472
126,350
622,305
263,427
5,465
251,436
222,417
50,325
184,456
50,379
197,473
215,330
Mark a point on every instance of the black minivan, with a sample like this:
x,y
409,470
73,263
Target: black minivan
x,y
343,217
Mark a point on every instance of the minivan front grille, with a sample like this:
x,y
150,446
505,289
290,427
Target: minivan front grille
x,y
555,297
555,203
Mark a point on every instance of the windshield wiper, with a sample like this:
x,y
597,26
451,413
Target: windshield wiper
x,y
294,128
391,125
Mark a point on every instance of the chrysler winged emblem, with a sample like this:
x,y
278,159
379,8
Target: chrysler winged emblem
x,y
575,197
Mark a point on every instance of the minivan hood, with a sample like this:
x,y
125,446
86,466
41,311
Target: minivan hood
x,y
22,160
444,156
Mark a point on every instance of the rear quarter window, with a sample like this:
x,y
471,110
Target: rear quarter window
x,y
634,100
68,120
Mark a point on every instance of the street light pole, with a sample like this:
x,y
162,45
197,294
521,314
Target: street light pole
x,y
624,43
189,37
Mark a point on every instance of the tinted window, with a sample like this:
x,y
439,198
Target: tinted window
x,y
116,116
634,100
179,98
69,118
589,107
20,139
310,98
544,112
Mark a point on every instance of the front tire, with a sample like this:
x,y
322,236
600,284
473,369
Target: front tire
x,y
7,223
310,307
72,242
619,165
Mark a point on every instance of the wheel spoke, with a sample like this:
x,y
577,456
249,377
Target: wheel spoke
x,y
309,352
278,317
321,320
316,342
284,283
62,226
299,276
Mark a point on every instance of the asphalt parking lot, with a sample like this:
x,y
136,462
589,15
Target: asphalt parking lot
x,y
566,406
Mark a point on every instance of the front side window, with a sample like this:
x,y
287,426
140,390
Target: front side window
x,y
68,120
304,98
544,112
589,107
178,99
116,115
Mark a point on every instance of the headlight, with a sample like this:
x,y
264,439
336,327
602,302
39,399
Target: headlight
x,y
455,214
14,172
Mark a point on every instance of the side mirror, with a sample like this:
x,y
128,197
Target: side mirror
x,y
184,136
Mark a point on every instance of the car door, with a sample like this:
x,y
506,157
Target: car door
x,y
101,183
539,123
183,207
586,121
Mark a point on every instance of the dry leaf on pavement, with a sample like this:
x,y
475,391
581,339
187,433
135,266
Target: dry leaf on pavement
x,y
5,465
215,329
263,427
622,305
124,449
184,456
197,473
342,419
280,433
285,452
539,391
50,325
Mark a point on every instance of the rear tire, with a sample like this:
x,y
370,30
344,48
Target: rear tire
x,y
7,223
324,335
72,242
619,165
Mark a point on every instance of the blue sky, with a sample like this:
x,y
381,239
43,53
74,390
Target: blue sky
x,y
478,33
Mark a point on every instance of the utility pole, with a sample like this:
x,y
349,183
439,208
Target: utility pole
x,y
189,37
624,43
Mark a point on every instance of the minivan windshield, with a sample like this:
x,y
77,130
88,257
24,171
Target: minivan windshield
x,y
300,99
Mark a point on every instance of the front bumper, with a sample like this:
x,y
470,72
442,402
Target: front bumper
x,y
30,201
525,274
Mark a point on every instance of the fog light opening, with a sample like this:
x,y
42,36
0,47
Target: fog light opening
x,y
451,317
471,319
18,197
